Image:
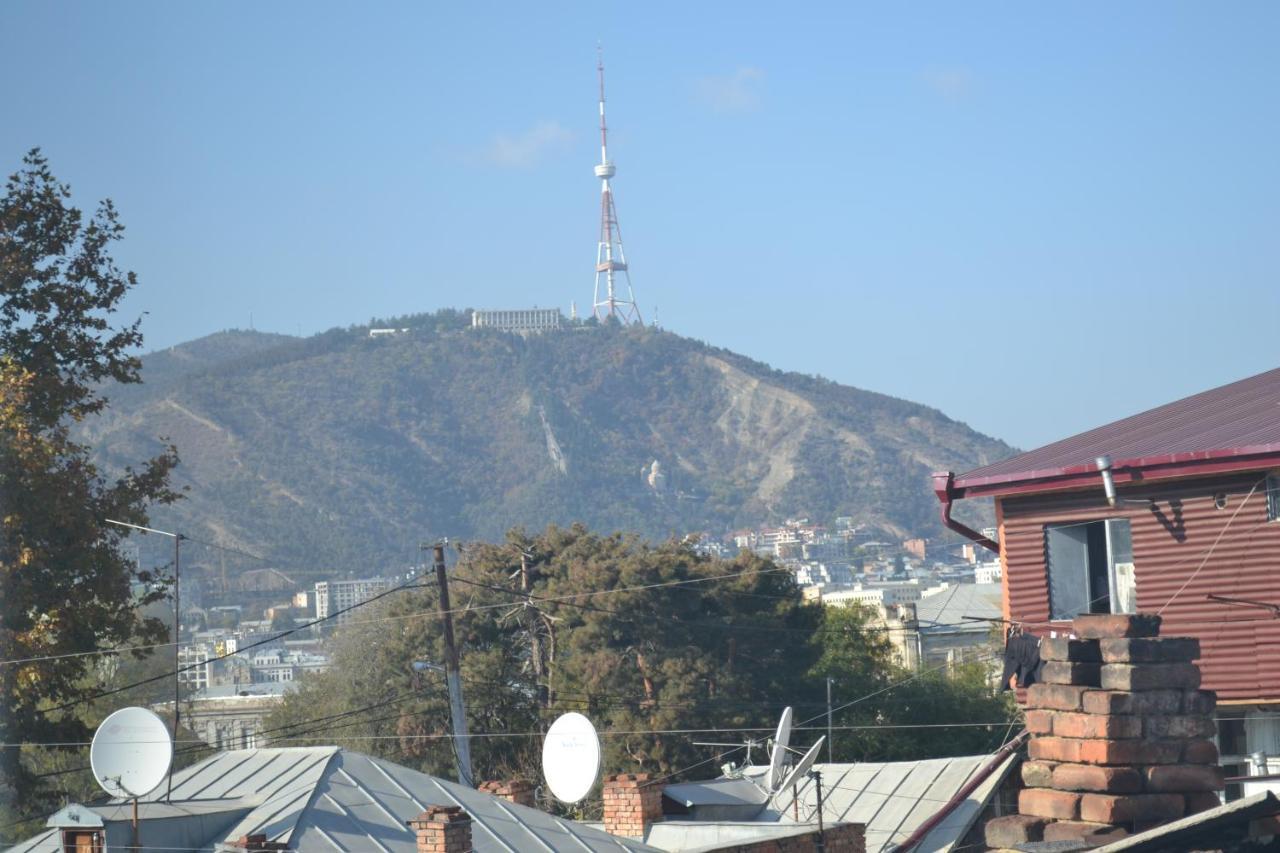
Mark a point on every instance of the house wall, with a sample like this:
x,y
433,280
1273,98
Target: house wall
x,y
1240,645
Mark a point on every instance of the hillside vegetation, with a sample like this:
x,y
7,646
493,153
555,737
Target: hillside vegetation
x,y
342,453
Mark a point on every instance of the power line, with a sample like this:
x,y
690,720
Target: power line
x,y
384,619
182,669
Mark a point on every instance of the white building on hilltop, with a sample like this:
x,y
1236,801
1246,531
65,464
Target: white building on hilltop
x,y
522,320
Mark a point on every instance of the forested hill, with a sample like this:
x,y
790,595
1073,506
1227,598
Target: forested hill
x,y
344,452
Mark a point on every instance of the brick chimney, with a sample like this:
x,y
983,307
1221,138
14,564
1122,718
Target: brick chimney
x,y
443,829
1120,735
631,804
517,791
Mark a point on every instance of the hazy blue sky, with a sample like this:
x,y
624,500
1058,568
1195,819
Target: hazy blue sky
x,y
1035,218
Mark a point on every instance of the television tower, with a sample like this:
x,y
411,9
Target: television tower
x,y
610,257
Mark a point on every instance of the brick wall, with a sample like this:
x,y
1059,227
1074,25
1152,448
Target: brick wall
x,y
1120,735
516,791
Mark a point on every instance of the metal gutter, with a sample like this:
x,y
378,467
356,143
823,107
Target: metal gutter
x,y
963,794
1130,470
944,488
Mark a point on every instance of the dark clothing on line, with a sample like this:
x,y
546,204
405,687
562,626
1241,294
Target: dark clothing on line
x,y
1021,658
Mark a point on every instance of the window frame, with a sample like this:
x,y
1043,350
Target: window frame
x,y
1113,549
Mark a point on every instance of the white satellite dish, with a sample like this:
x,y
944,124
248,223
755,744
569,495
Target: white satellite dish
x,y
130,753
571,757
802,767
778,757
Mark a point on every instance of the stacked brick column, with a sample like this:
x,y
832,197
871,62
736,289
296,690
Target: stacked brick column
x,y
1120,735
630,804
442,829
517,791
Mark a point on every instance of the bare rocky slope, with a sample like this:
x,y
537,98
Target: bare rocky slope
x,y
342,453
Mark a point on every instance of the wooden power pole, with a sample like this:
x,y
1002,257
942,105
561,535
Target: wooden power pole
x,y
453,675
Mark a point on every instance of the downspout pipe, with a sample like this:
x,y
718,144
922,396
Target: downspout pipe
x,y
944,488
963,794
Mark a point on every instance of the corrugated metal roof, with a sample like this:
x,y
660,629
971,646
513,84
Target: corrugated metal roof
x,y
1236,419
949,608
891,799
326,798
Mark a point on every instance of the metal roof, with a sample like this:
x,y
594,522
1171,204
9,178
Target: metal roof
x,y
891,799
948,609
326,798
1236,420
717,792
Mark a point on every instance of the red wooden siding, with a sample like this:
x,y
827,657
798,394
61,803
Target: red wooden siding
x,y
1240,645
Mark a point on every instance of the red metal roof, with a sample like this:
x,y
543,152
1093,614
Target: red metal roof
x,y
1214,430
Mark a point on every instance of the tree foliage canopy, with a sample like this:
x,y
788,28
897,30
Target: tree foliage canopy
x,y
659,645
67,588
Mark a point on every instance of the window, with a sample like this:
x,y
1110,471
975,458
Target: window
x,y
1090,568
1273,497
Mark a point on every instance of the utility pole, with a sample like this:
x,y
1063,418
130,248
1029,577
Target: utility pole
x,y
535,641
177,618
453,675
830,739
177,647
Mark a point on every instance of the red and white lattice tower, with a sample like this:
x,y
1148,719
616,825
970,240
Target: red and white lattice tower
x,y
611,260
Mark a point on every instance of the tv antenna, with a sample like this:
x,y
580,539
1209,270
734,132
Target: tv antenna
x,y
571,757
778,746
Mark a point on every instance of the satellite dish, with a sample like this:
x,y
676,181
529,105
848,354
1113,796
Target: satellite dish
x,y
802,767
130,753
571,757
781,739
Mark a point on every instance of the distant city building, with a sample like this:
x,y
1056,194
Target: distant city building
x,y
937,630
525,320
916,548
231,716
274,665
197,657
985,573
333,596
386,333
877,595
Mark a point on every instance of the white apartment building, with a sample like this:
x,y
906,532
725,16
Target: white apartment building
x,y
989,572
333,596
519,320
874,595
197,657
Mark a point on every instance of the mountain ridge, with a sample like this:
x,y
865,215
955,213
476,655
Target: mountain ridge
x,y
346,451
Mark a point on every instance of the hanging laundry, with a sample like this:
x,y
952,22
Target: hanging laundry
x,y
1021,660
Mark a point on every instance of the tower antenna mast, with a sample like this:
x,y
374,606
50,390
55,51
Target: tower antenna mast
x,y
611,259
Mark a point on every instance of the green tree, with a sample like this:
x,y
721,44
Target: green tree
x,y
642,638
894,714
67,587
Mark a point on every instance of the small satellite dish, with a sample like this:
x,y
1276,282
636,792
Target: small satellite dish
x,y
802,767
571,757
778,757
130,753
